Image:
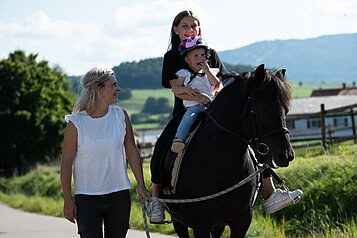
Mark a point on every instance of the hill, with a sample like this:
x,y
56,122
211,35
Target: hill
x,y
331,58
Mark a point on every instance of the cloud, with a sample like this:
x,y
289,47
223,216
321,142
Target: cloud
x,y
137,31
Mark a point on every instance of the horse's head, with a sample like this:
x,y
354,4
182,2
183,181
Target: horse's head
x,y
267,106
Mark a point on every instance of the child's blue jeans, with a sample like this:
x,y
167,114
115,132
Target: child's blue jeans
x,y
188,119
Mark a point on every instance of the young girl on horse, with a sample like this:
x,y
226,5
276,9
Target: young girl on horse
x,y
200,78
187,24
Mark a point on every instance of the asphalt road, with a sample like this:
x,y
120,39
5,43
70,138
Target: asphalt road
x,y
19,224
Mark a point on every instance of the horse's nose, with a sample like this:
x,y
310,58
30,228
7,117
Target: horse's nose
x,y
291,154
284,157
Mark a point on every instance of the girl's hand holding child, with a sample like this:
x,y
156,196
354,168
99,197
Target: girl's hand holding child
x,y
192,91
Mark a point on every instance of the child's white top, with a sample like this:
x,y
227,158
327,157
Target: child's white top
x,y
199,82
99,165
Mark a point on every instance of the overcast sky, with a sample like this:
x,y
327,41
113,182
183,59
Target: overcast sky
x,y
80,34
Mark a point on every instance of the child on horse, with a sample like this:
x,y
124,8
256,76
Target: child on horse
x,y
199,78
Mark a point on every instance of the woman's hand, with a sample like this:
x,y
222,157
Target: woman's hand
x,y
203,99
144,193
192,91
70,210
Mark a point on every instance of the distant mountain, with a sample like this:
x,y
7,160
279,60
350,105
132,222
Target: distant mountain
x,y
331,58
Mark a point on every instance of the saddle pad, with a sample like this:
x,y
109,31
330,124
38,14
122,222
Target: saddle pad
x,y
177,164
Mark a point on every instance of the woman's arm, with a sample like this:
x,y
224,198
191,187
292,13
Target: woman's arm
x,y
179,88
69,150
133,157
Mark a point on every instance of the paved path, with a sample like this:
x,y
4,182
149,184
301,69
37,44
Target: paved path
x,y
19,224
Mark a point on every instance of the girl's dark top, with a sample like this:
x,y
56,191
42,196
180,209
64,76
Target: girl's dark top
x,y
173,63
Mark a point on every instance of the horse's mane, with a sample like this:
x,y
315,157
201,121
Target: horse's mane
x,y
283,88
277,78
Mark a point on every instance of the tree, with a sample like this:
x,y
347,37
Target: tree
x,y
156,106
143,74
33,101
124,94
75,83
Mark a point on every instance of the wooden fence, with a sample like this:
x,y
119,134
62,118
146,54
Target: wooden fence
x,y
326,133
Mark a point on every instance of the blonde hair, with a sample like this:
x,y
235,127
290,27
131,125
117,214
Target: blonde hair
x,y
96,77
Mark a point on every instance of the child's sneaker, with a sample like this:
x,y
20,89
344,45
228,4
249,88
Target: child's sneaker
x,y
157,212
177,145
280,199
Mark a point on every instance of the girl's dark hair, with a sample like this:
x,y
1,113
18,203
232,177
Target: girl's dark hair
x,y
175,39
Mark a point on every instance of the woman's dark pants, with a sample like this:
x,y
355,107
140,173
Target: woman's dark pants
x,y
112,209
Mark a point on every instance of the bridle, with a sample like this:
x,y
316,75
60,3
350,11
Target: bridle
x,y
256,141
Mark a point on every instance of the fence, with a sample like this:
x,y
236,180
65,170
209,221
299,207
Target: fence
x,y
325,133
146,141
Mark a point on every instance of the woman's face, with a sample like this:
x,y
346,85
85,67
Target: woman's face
x,y
187,27
110,90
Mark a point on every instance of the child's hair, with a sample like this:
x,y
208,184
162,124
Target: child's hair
x,y
94,77
175,39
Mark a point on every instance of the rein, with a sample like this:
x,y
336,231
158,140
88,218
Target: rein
x,y
254,142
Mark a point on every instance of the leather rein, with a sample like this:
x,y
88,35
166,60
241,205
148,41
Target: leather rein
x,y
255,141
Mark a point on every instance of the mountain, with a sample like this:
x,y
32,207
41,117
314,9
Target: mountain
x,y
331,58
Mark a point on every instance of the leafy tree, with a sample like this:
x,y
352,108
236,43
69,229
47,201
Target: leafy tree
x,y
75,83
239,68
156,106
124,94
33,100
150,105
143,74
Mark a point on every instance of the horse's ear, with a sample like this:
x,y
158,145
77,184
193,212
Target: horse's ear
x,y
260,74
281,73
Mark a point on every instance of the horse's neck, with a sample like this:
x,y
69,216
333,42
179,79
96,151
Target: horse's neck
x,y
228,108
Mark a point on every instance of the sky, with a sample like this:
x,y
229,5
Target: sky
x,y
80,34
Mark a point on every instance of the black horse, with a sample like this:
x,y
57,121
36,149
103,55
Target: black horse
x,y
250,110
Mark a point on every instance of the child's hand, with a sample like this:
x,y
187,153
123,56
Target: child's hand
x,y
205,66
192,91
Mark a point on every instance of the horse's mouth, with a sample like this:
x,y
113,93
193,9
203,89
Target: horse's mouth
x,y
273,163
282,160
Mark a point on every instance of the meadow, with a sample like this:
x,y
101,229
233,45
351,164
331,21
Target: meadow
x,y
328,207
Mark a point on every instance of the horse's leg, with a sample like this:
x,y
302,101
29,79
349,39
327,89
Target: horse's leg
x,y
181,230
217,232
241,226
201,233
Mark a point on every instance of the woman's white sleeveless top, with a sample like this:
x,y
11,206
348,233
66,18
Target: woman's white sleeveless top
x,y
100,166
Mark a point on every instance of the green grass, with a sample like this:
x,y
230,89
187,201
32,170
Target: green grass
x,y
136,103
328,207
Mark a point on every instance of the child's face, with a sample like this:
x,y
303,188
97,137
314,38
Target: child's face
x,y
195,58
